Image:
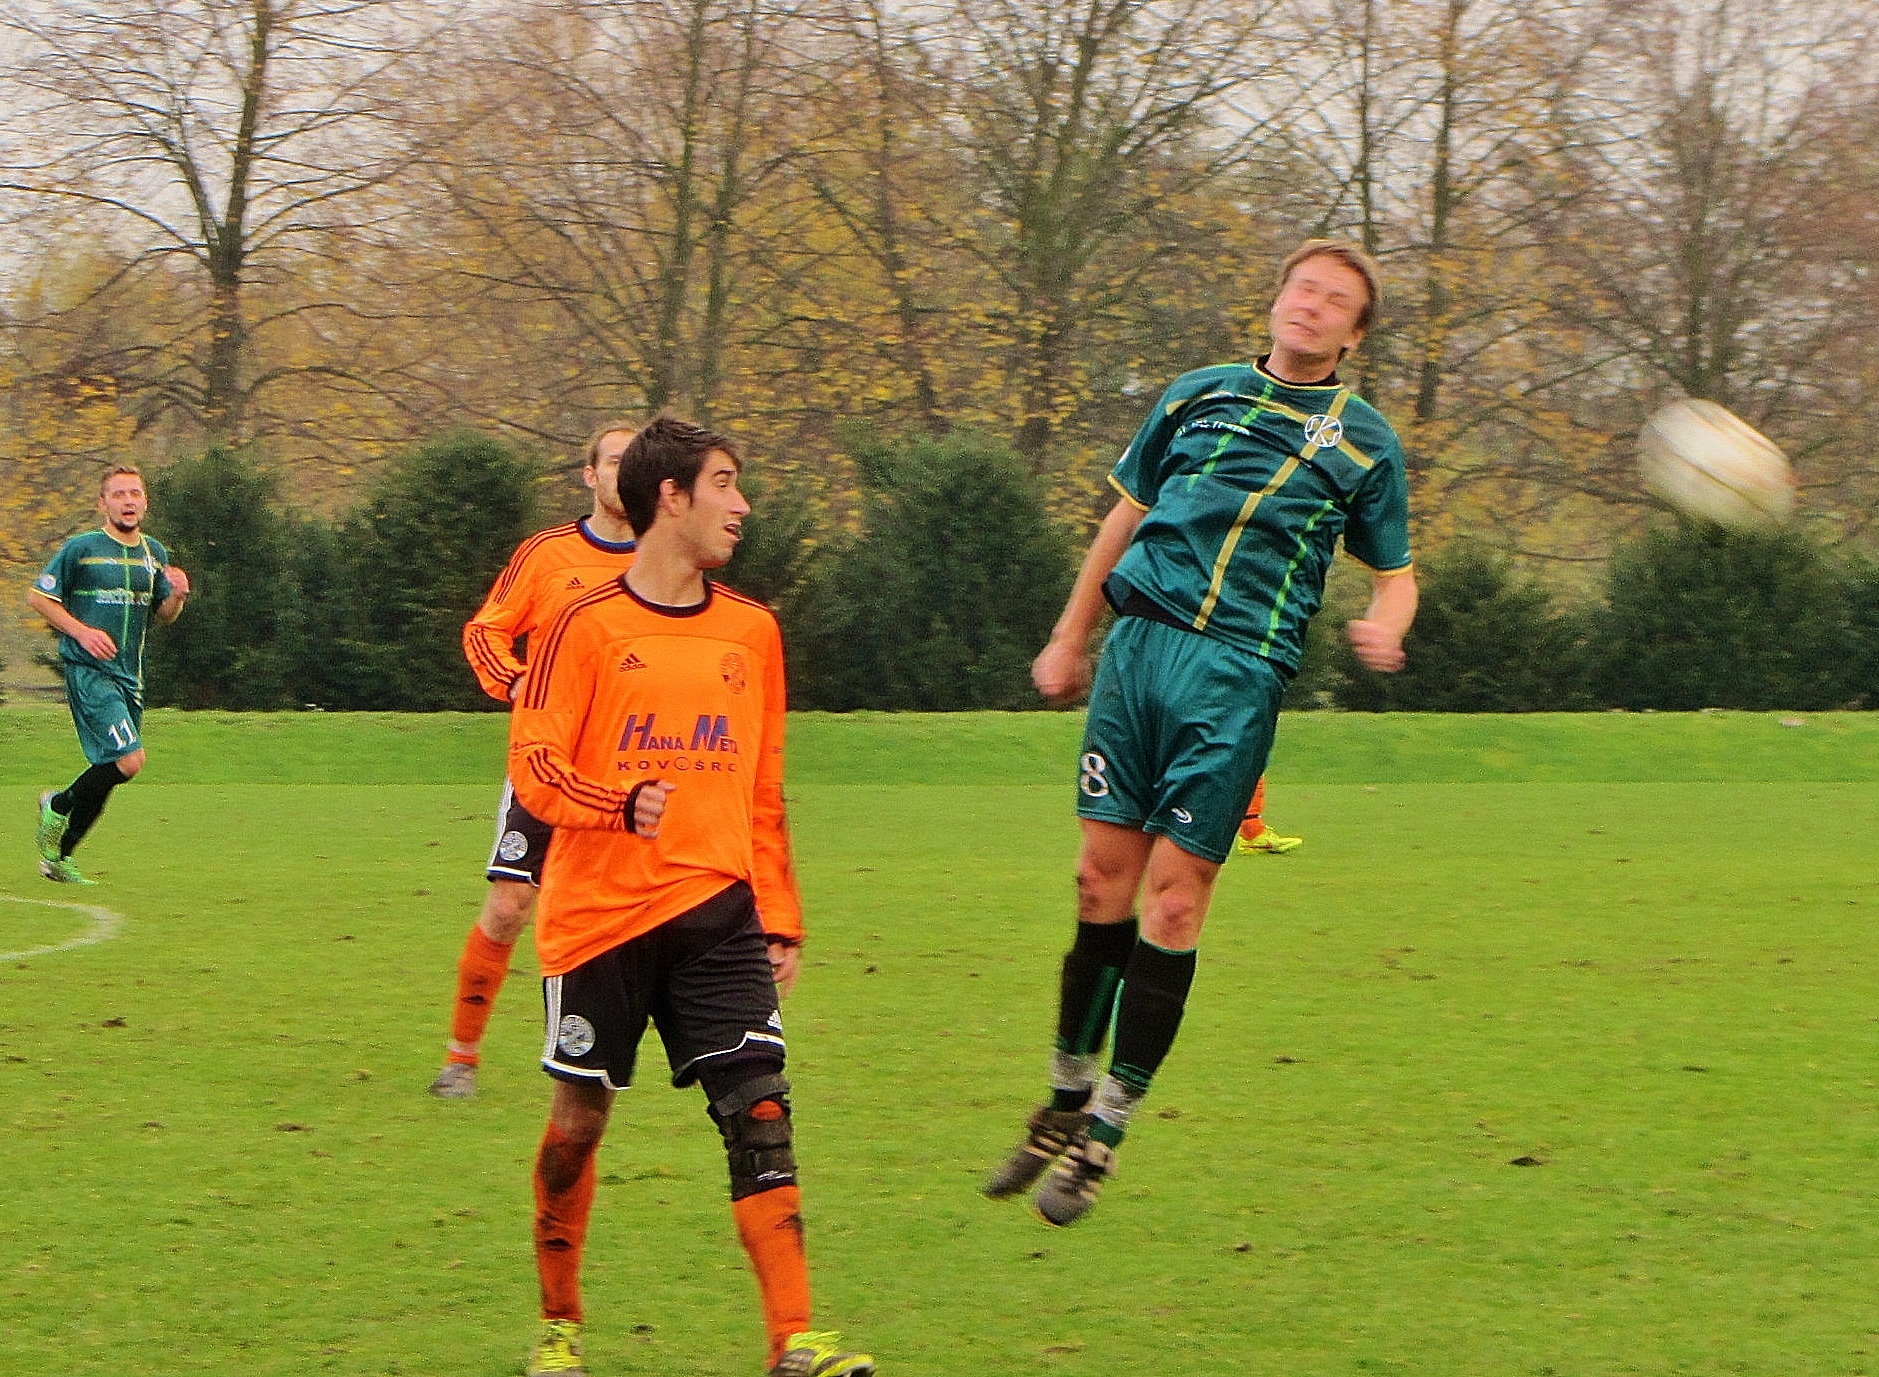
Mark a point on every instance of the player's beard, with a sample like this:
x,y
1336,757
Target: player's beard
x,y
118,525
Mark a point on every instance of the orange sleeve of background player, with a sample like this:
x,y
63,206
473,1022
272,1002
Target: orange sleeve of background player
x,y
489,636
546,723
779,903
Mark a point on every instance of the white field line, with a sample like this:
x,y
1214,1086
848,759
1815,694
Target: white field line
x,y
104,926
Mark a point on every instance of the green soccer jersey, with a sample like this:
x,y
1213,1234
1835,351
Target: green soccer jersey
x,y
1246,484
112,586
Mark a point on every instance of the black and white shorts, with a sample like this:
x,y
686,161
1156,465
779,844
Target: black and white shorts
x,y
522,840
703,978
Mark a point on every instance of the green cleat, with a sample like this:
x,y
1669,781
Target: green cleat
x,y
51,828
63,871
557,1350
457,1081
1049,1135
1070,1193
819,1355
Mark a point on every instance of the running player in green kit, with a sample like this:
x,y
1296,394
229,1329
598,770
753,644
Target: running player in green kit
x,y
99,593
1233,496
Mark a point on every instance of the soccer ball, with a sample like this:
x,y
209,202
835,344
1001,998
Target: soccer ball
x,y
1709,463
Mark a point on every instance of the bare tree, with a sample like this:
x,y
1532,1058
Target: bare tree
x,y
217,145
609,153
1693,192
1089,127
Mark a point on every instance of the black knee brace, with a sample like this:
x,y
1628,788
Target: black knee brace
x,y
758,1147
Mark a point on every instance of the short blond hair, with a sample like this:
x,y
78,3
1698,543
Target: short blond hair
x,y
111,473
590,457
1351,257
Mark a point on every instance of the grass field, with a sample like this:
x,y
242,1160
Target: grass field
x,y
1638,952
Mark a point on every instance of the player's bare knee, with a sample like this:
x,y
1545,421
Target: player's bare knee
x,y
1104,894
754,1121
129,765
507,910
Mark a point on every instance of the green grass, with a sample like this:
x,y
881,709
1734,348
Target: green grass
x,y
1638,950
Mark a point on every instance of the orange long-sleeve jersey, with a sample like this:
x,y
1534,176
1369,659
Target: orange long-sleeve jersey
x,y
621,692
548,571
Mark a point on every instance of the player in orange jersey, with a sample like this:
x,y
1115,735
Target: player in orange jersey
x,y
548,571
650,736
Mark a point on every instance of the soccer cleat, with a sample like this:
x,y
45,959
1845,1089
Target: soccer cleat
x,y
63,871
557,1350
1070,1192
1049,1135
51,828
820,1355
457,1081
1269,842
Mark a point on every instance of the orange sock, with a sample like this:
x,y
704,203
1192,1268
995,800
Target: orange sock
x,y
564,1198
770,1226
480,973
1253,824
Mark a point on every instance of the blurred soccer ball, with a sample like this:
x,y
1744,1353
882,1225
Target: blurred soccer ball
x,y
1709,463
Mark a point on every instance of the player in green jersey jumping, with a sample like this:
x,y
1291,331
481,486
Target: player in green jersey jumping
x,y
99,593
1233,496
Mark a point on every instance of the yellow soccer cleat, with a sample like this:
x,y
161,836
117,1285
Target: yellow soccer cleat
x,y
1270,842
820,1355
557,1350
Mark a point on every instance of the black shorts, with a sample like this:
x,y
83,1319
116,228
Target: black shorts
x,y
703,978
522,839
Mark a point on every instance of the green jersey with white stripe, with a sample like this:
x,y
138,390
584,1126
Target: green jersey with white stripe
x,y
1246,484
114,587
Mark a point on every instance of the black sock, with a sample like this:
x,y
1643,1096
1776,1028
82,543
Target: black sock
x,y
1092,969
85,800
1148,1011
1086,1001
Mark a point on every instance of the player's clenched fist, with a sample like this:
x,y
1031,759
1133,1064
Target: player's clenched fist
x,y
1061,672
649,802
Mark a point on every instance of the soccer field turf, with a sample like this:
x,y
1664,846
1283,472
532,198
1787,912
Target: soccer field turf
x,y
1635,952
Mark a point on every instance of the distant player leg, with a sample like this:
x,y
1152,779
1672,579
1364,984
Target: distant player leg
x,y
514,872
82,801
484,966
1254,822
1255,835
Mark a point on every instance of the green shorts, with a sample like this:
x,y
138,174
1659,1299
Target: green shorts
x,y
1179,728
109,714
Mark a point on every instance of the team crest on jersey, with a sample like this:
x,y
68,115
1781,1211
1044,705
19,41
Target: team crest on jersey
x,y
732,668
512,847
575,1036
1324,431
